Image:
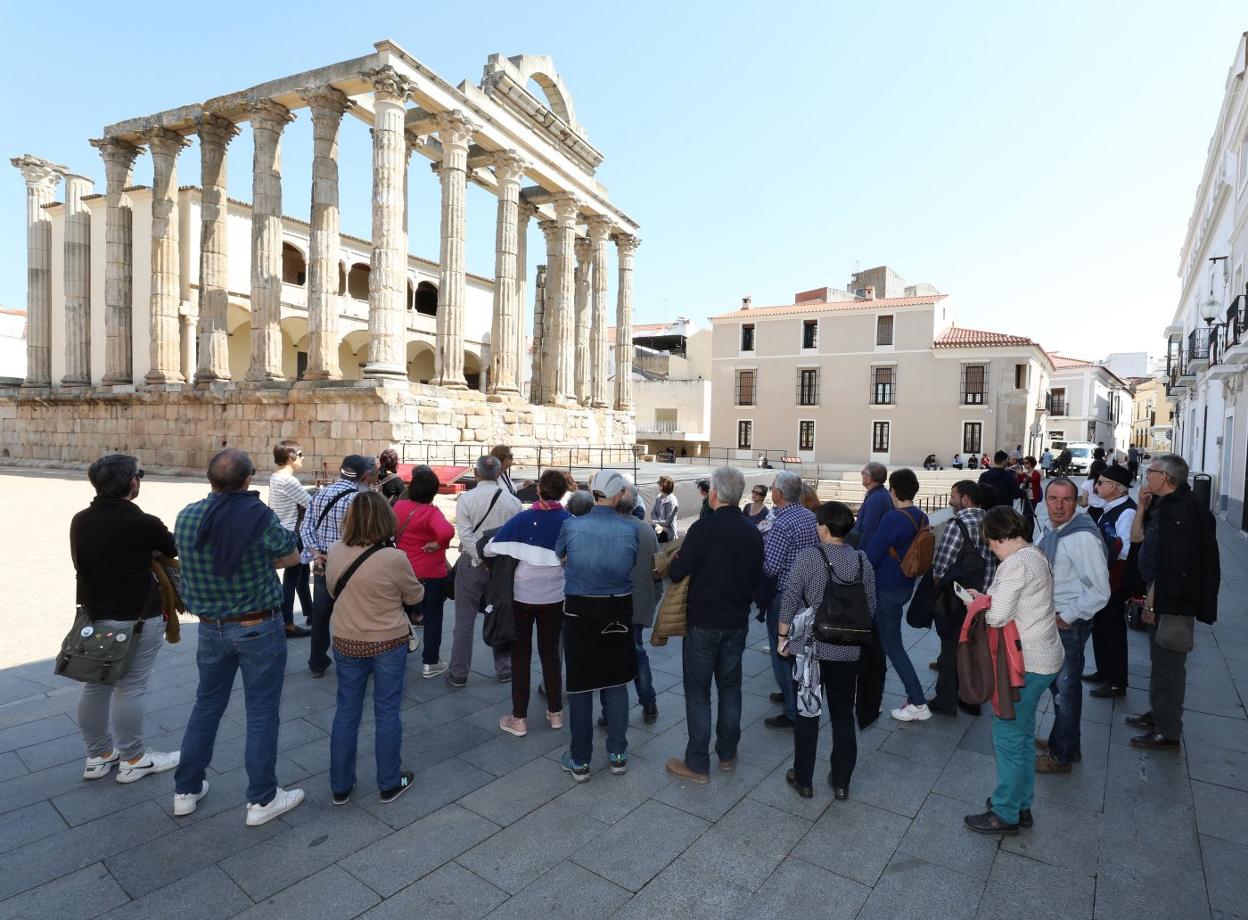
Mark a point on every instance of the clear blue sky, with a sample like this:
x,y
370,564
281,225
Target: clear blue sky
x,y
1036,161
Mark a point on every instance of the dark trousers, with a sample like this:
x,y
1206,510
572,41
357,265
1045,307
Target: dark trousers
x,y
716,653
1109,640
430,609
839,678
549,621
322,610
946,695
295,581
1167,688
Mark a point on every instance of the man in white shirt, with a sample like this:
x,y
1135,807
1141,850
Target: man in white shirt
x,y
1109,628
1077,555
478,511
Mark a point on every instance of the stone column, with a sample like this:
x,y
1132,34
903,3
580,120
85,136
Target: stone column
x,y
268,120
41,178
599,229
581,355
526,211
546,316
454,131
186,350
626,247
505,328
387,279
215,134
77,283
564,384
166,300
537,379
118,159
327,106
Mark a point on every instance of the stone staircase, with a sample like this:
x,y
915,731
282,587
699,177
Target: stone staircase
x,y
933,488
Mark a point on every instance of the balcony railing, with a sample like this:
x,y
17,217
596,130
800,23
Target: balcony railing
x,y
660,426
1197,345
1236,321
1056,406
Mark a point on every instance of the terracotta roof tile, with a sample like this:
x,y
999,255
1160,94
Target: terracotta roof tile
x,y
836,306
1061,361
959,337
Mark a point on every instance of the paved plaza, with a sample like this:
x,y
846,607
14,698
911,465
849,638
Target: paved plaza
x,y
494,828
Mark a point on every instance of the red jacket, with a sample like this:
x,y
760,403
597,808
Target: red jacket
x,y
990,647
424,524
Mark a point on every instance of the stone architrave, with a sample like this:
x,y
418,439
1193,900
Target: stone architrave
x,y
454,131
41,178
505,328
268,120
327,105
77,283
387,279
166,297
215,134
537,380
118,156
626,248
580,346
563,389
599,232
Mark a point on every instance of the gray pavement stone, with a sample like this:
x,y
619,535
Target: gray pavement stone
x,y
713,800
890,781
968,777
432,788
448,893
566,891
939,836
640,846
511,797
77,896
206,894
91,799
801,889
611,801
28,733
395,861
504,753
1051,840
330,894
1231,734
1020,887
929,747
11,765
1218,766
1221,812
854,840
746,844
29,788
776,792
1224,877
912,889
26,825
680,892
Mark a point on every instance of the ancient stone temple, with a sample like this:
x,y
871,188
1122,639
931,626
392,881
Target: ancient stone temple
x,y
171,320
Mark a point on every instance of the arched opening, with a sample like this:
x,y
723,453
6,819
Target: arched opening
x,y
353,354
420,367
294,266
472,371
342,279
426,298
357,281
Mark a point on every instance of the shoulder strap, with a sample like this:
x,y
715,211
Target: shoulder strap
x,y
399,536
333,501
493,502
359,561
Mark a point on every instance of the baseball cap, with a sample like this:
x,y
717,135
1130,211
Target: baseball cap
x,y
356,467
607,483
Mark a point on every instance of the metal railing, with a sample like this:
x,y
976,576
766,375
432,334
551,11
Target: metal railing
x,y
659,426
1197,346
527,456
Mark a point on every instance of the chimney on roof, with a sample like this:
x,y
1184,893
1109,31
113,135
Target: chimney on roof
x,y
868,293
746,302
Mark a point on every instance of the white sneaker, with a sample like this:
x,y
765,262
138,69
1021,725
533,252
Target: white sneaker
x,y
283,801
912,713
100,767
433,670
184,802
152,762
413,641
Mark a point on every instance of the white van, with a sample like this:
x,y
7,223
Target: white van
x,y
1080,457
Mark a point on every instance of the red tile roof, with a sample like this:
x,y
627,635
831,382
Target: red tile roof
x,y
958,337
882,303
1061,361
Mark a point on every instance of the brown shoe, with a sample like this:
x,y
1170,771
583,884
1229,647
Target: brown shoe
x,y
728,765
678,767
1143,722
1155,741
1043,745
1047,763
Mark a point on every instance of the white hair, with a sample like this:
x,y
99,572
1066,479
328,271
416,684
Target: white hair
x,y
788,484
729,485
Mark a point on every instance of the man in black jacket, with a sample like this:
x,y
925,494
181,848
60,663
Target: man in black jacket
x,y
1004,483
723,556
1179,558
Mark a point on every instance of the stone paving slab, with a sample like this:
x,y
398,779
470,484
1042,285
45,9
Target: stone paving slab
x,y
494,828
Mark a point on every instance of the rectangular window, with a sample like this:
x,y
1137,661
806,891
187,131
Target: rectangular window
x,y
883,385
746,394
879,437
1020,376
972,437
301,364
883,330
808,386
745,434
1057,401
810,333
747,337
974,384
806,435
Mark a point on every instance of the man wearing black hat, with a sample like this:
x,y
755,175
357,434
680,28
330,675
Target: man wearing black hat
x,y
1109,626
322,526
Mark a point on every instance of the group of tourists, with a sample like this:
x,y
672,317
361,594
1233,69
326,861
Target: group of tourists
x,y
585,570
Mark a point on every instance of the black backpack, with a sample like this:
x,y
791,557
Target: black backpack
x,y
843,617
970,568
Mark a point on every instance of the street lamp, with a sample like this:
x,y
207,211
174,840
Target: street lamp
x,y
1210,310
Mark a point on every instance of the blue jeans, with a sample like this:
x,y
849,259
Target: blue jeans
x,y
224,648
581,722
781,667
708,653
1014,744
430,607
1067,693
389,671
889,604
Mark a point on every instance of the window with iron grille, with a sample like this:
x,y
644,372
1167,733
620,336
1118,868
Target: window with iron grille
x,y
883,385
808,386
883,330
746,388
747,337
972,437
810,333
1057,401
745,434
974,384
879,437
806,435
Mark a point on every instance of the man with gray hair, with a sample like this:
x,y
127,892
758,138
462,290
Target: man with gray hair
x,y
478,511
723,557
875,504
793,528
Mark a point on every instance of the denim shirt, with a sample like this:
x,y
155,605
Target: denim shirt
x,y
598,549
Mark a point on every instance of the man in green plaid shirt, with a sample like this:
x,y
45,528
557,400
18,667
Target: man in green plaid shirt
x,y
230,545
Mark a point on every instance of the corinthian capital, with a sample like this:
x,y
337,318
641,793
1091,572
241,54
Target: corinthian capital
x,y
626,243
325,100
508,166
269,115
455,130
164,142
388,84
567,208
39,172
599,229
215,130
118,157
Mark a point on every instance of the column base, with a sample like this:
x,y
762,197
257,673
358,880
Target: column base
x,y
322,375
75,382
385,371
450,384
599,404
264,378
116,380
36,384
623,407
164,378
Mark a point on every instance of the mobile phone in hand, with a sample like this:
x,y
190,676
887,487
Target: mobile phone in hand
x,y
963,595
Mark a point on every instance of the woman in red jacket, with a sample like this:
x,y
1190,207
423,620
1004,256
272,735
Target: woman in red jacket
x,y
424,533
